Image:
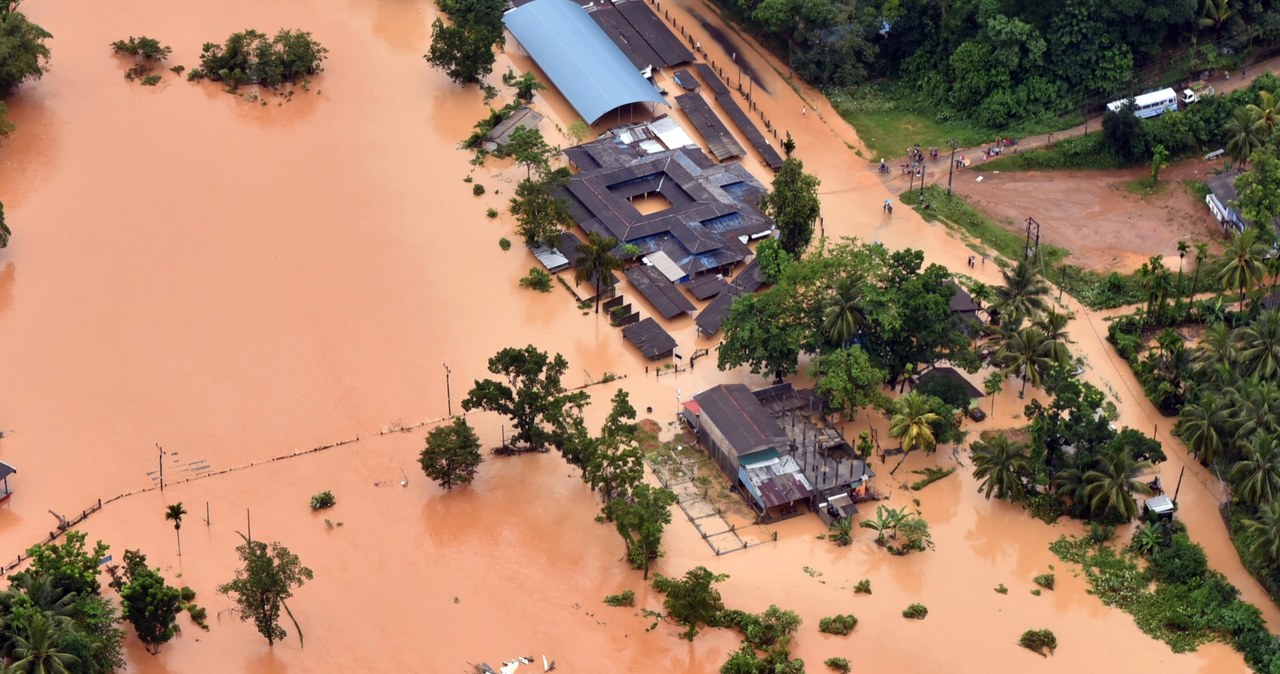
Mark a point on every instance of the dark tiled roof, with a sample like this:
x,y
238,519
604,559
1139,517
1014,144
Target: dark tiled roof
x,y
706,286
661,293
725,98
650,338
719,139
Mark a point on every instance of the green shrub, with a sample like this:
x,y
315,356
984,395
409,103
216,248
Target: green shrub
x,y
1045,580
1100,533
198,616
538,280
1039,641
840,625
624,598
931,475
492,213
150,80
1036,592
1002,589
1182,562
186,594
251,57
863,586
477,189
838,665
504,243
323,500
915,612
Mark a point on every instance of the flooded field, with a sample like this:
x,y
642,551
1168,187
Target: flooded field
x,y
224,281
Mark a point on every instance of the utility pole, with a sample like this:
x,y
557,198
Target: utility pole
x,y
448,395
161,465
952,168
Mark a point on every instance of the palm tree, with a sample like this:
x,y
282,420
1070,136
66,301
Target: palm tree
x,y
1256,476
1027,354
1267,112
1202,254
842,317
1259,351
34,645
1158,282
1256,405
1001,466
1266,530
1183,247
1110,486
1024,293
1244,135
1242,264
1217,346
1215,14
1054,327
912,423
175,513
596,261
1204,427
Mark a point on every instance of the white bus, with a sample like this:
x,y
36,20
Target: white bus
x,y
1149,104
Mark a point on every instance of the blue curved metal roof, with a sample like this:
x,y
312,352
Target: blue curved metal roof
x,y
581,61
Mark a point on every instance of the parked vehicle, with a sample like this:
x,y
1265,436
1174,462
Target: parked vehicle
x,y
1150,104
1195,92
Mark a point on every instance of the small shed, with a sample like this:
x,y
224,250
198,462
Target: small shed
x,y
501,132
1160,506
962,303
654,342
5,471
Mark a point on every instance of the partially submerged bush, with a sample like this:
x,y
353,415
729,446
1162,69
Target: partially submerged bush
x,y
863,586
624,598
840,625
537,279
1045,580
1039,641
323,500
838,665
915,612
147,53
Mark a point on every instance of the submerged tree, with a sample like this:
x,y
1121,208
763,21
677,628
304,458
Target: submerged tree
x,y
532,394
4,228
23,54
1001,467
452,454
529,149
264,584
463,49
525,84
541,215
794,205
692,601
149,604
250,57
912,422
640,519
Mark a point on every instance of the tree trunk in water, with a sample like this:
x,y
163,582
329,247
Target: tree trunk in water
x,y
597,293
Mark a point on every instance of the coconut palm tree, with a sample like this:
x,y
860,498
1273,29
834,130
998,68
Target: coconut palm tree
x,y
1215,14
1259,345
1157,280
1255,478
1110,486
175,513
1027,354
842,316
596,261
1217,346
1024,294
1202,254
1244,135
1054,327
34,644
912,423
1256,405
1204,427
1241,262
1265,527
1001,467
1267,112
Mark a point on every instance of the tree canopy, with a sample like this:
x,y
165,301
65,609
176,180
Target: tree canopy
x,y
23,54
452,454
532,394
794,205
267,579
463,48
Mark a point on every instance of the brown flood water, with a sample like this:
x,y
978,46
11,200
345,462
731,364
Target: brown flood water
x,y
236,282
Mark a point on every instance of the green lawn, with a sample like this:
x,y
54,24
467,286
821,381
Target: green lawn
x,y
888,124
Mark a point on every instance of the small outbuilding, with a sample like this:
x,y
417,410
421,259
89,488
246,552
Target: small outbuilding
x,y
5,471
732,423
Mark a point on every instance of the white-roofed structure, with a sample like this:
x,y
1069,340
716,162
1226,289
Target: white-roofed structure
x,y
579,58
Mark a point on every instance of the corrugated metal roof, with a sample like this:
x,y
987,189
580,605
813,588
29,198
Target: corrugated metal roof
x,y
663,263
579,58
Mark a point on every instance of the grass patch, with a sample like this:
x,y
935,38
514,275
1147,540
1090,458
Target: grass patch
x,y
1079,152
1143,187
931,475
1196,188
890,119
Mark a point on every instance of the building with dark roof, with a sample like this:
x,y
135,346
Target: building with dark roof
x,y
709,210
578,57
711,318
654,342
661,293
5,471
1221,201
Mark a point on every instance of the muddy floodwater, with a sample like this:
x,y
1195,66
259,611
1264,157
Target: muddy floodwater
x,y
207,281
